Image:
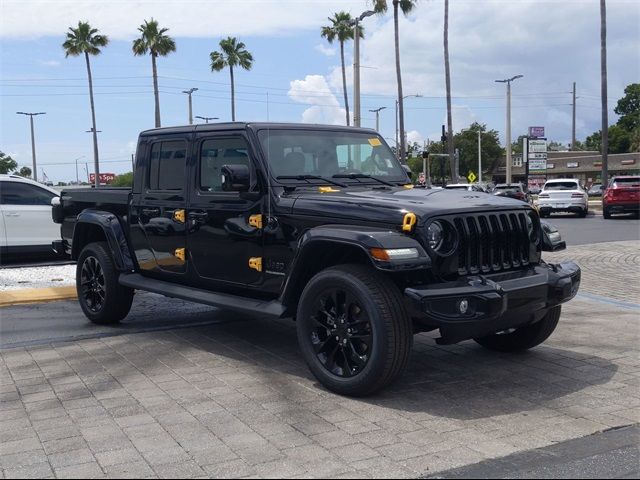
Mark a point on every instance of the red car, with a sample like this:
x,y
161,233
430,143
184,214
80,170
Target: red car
x,y
622,196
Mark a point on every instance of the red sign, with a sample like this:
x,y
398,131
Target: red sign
x,y
105,178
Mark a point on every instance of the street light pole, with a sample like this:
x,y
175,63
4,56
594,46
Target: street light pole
x,y
189,92
33,141
377,112
206,119
77,177
398,134
508,140
479,156
356,65
96,180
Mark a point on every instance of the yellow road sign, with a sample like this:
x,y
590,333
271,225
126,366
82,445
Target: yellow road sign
x,y
471,177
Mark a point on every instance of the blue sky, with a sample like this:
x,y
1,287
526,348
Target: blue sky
x,y
296,74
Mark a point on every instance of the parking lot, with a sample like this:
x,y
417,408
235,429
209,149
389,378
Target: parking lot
x,y
185,390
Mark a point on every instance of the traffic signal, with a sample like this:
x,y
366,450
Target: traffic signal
x,y
425,154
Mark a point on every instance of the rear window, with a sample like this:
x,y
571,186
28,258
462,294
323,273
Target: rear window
x,y
561,186
626,182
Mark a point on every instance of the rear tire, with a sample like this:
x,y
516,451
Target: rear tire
x,y
583,213
353,329
606,213
102,299
523,338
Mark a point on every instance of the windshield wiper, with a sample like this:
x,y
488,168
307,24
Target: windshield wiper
x,y
310,177
355,176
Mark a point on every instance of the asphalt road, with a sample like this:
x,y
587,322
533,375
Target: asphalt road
x,y
595,229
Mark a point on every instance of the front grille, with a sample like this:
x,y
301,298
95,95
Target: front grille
x,y
492,242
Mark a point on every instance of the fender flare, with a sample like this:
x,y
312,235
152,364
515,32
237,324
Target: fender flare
x,y
113,232
363,239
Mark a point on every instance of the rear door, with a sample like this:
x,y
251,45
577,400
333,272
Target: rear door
x,y
26,211
158,210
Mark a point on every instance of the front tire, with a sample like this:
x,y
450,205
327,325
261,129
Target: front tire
x,y
353,329
523,338
102,299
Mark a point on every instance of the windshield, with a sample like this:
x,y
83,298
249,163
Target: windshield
x,y
323,153
561,186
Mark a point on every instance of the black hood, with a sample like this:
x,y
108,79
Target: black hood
x,y
388,205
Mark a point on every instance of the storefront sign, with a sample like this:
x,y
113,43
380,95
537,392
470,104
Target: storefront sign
x,y
573,164
537,146
536,132
538,165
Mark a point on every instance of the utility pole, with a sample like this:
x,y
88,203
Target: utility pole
x,y
206,119
189,92
77,177
444,146
603,92
508,140
356,64
33,141
573,123
96,180
377,112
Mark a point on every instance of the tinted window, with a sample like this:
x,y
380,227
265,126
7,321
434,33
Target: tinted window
x,y
167,165
14,193
561,186
626,182
215,154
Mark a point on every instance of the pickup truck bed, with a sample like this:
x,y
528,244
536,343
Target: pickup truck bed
x,y
113,199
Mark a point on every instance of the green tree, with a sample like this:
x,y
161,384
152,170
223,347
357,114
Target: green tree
x,y
25,172
490,150
406,6
341,30
86,41
123,180
232,54
620,140
7,164
628,107
154,41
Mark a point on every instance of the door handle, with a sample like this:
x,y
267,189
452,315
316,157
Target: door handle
x,y
198,216
12,214
151,211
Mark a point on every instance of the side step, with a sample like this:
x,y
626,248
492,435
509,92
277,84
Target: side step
x,y
223,301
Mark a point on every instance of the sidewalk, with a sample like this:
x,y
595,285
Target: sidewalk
x,y
235,399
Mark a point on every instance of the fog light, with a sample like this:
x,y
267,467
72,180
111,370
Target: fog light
x,y
463,306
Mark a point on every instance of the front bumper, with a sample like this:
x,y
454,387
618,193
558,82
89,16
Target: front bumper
x,y
479,305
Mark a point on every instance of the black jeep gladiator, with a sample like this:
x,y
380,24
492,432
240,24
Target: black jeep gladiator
x,y
321,224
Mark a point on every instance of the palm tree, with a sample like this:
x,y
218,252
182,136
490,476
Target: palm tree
x,y
233,54
447,74
603,91
86,40
341,29
154,41
406,6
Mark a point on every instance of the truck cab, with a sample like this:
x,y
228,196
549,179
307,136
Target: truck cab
x,y
320,224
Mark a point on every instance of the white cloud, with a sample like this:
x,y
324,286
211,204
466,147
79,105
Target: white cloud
x,y
314,90
186,18
415,137
327,51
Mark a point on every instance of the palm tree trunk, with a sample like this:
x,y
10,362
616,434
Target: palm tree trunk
x,y
603,91
399,79
344,82
450,145
94,130
233,96
155,88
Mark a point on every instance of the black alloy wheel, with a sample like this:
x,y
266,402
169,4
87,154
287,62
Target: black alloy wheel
x,y
341,336
92,284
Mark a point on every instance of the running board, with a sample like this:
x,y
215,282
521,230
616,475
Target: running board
x,y
223,301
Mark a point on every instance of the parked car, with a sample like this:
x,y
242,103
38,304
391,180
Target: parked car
x,y
622,196
512,190
26,226
563,195
596,190
469,187
317,223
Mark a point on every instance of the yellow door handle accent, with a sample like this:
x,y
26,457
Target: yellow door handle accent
x,y
256,221
408,222
179,216
255,263
180,253
327,189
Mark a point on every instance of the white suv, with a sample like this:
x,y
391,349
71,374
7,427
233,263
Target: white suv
x,y
26,225
563,195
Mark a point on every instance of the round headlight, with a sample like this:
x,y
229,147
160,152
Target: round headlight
x,y
435,235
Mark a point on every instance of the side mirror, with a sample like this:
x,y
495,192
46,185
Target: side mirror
x,y
235,178
407,169
551,239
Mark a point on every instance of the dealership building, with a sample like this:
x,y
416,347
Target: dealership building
x,y
583,165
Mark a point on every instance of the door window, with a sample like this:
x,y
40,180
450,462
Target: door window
x,y
15,193
216,153
167,166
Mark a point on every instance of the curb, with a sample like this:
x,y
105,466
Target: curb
x,y
36,295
